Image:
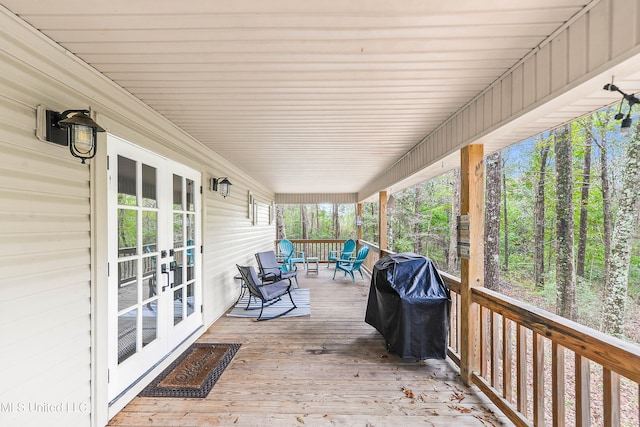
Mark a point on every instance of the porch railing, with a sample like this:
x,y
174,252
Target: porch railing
x,y
128,268
521,345
316,247
542,369
320,248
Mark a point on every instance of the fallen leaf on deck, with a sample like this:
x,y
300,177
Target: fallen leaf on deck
x,y
484,420
300,420
408,393
459,396
460,409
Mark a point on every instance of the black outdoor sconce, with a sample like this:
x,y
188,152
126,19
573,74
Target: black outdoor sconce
x,y
223,184
625,125
73,128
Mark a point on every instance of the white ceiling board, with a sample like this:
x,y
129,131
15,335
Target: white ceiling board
x,y
338,90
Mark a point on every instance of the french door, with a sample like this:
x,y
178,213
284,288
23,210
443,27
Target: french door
x,y
154,260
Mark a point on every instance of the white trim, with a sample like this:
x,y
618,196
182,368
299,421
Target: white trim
x,y
169,334
99,295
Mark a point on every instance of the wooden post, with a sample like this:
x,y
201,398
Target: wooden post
x,y
359,228
382,220
471,268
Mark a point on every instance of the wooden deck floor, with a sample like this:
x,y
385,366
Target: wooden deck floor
x,y
324,370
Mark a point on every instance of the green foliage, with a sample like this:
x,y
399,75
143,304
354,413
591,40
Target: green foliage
x,y
589,298
421,219
320,221
370,222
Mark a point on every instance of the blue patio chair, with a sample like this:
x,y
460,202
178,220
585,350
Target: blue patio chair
x,y
290,257
351,265
348,248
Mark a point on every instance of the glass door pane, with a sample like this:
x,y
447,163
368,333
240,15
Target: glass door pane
x,y
184,246
137,256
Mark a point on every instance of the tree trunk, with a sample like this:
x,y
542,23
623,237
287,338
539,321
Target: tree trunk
x,y
492,221
584,203
305,221
552,243
602,120
623,239
538,217
281,233
565,270
417,235
428,234
606,204
505,216
391,218
336,222
452,258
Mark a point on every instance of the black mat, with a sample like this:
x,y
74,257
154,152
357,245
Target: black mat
x,y
194,373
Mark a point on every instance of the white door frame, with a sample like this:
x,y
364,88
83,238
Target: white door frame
x,y
168,337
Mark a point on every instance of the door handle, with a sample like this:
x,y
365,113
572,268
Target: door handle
x,y
173,267
165,271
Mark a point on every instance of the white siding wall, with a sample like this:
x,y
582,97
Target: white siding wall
x,y
44,273
231,238
52,305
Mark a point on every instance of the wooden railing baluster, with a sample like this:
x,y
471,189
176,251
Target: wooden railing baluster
x,y
458,323
521,368
611,401
507,359
558,384
583,392
495,342
484,340
538,379
452,329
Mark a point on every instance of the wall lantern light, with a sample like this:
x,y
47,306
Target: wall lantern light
x,y
223,184
73,128
631,99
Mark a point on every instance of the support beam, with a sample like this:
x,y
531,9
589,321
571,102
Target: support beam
x,y
382,221
471,268
359,227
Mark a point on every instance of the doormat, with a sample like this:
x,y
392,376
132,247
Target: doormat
x,y
194,373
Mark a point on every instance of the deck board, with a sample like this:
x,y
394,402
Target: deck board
x,y
329,369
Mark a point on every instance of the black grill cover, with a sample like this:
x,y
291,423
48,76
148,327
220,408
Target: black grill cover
x,y
409,305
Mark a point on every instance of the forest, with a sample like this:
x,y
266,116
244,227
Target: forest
x,y
561,211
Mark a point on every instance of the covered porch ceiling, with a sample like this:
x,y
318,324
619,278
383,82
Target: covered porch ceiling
x,y
318,97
